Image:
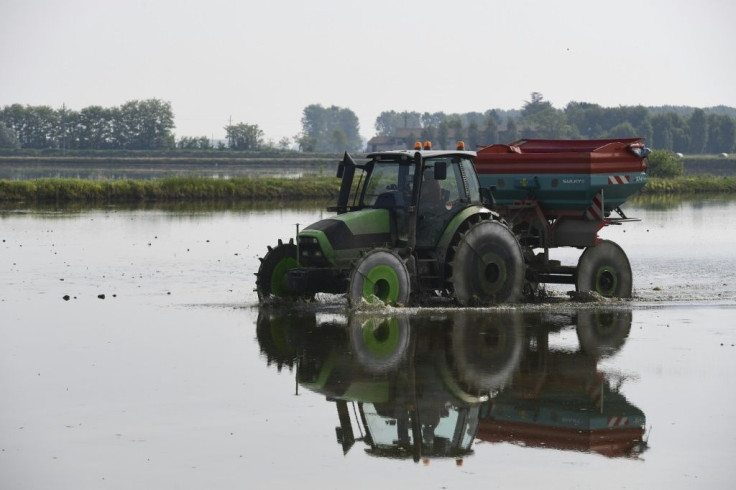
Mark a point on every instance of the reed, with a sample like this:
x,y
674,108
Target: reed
x,y
267,189
168,189
696,184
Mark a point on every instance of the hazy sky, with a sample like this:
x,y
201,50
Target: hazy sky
x,y
261,62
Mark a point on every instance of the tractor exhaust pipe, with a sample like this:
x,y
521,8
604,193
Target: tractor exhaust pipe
x,y
345,171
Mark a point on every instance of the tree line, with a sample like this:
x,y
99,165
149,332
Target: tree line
x,y
679,129
135,125
149,124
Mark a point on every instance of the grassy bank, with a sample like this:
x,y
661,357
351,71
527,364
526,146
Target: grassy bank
x,y
695,184
202,189
168,189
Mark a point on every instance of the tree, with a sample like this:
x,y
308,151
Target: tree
x,y
721,134
537,104
664,163
95,128
194,143
512,133
623,130
8,138
698,127
329,129
244,136
432,120
284,143
473,138
389,121
443,131
661,133
489,134
544,121
144,125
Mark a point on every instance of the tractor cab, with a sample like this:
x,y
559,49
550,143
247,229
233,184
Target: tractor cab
x,y
423,190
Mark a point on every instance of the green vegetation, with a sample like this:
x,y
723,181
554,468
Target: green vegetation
x,y
265,189
696,184
664,163
149,124
169,189
685,130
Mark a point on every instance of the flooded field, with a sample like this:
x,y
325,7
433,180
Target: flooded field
x,y
133,355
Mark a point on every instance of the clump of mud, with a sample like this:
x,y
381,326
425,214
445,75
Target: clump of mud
x,y
586,297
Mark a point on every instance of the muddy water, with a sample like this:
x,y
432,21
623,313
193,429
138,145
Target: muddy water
x,y
159,371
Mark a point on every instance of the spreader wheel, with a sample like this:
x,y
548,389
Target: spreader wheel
x,y
380,275
271,276
602,333
488,266
604,269
379,343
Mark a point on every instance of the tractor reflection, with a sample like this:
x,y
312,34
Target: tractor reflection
x,y
430,385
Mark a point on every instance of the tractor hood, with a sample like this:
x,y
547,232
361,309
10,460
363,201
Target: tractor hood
x,y
341,234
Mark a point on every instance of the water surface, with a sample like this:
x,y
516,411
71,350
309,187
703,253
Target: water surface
x,y
160,371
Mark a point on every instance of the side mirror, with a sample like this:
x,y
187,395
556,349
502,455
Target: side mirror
x,y
440,170
486,195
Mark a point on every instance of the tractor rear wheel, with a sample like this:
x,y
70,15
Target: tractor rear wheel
x,y
488,266
487,350
380,275
271,276
604,269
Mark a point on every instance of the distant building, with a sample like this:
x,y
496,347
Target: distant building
x,y
397,141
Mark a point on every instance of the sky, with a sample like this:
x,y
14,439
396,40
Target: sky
x,y
262,62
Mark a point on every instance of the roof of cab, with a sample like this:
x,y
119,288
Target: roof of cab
x,y
424,153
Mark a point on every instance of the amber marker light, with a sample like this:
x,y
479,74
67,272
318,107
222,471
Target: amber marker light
x,y
427,145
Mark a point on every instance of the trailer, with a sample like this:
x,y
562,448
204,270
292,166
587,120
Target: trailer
x,y
561,193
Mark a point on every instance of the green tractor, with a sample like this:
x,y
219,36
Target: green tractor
x,y
408,224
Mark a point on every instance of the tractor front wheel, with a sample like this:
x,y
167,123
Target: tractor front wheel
x,y
271,276
380,275
488,266
379,343
604,269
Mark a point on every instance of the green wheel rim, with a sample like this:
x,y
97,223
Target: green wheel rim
x,y
606,281
381,282
278,276
381,337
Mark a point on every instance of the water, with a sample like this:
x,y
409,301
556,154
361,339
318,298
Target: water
x,y
176,379
121,170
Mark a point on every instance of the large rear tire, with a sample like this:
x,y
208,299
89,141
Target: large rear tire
x,y
271,276
488,266
604,269
380,275
487,351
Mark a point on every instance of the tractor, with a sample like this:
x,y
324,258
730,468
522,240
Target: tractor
x,y
408,224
